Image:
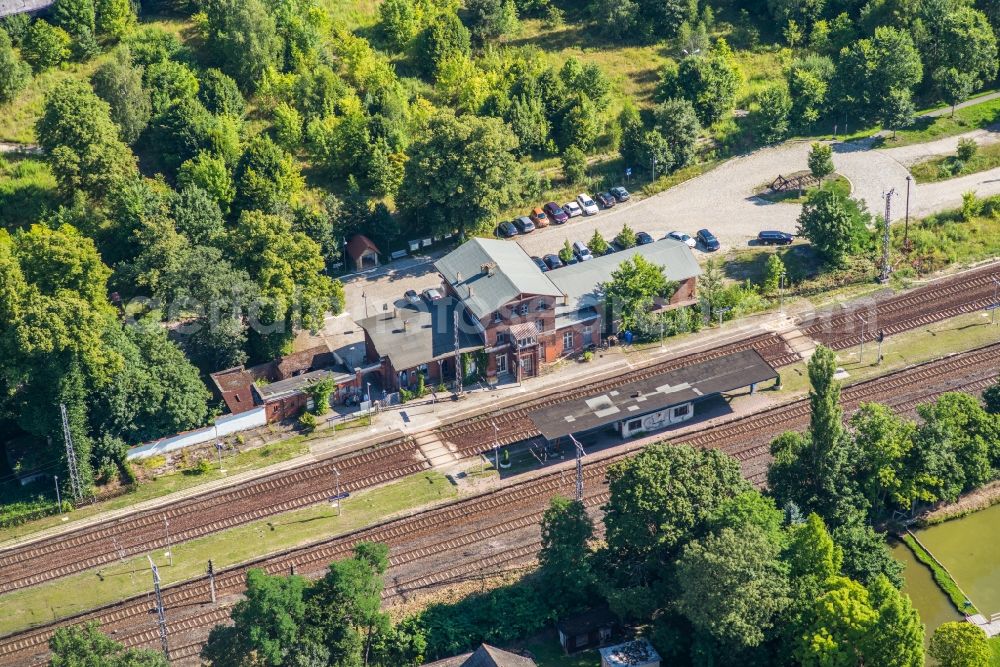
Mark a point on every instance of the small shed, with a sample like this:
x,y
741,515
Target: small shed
x,y
362,252
589,629
635,653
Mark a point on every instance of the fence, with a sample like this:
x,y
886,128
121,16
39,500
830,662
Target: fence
x,y
224,425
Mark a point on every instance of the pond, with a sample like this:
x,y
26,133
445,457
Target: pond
x,y
933,606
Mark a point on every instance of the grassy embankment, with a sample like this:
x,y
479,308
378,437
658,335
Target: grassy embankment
x,y
942,168
942,577
86,590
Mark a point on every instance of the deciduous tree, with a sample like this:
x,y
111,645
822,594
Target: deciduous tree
x,y
87,646
834,224
45,45
14,74
820,160
119,83
565,555
960,644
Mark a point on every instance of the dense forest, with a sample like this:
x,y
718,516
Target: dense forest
x,y
205,161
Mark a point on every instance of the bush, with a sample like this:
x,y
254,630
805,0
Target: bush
x,y
14,514
45,46
307,422
588,356
626,238
199,468
967,149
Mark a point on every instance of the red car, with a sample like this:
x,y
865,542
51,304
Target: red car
x,y
556,213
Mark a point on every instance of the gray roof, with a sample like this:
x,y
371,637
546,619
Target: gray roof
x,y
635,653
11,7
293,385
488,273
491,656
649,395
415,335
580,281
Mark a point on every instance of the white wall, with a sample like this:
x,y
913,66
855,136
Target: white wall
x,y
226,424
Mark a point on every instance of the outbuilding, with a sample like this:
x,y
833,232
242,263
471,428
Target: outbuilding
x,y
362,252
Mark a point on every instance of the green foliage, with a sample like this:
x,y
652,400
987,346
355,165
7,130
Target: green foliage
x,y
866,554
242,35
835,224
635,286
87,646
320,392
491,19
220,94
960,644
208,173
875,76
45,46
566,252
709,82
774,270
266,177
574,165
169,81
808,85
150,44
820,160
119,83
287,126
399,21
565,557
770,114
307,422
967,149
626,238
677,122
597,245
16,513
444,38
115,18
14,74
460,174
991,398
76,17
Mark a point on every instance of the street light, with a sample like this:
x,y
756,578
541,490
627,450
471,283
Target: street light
x,y
906,223
368,394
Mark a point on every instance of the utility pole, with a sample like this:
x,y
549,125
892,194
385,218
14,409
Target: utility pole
x,y
166,534
122,556
579,468
880,338
906,223
996,304
211,579
74,471
368,396
886,268
337,473
161,616
58,497
496,447
861,352
661,333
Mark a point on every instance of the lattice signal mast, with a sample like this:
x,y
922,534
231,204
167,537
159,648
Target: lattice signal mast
x,y
74,471
579,468
160,613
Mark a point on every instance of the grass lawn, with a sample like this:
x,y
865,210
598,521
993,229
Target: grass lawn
x,y
548,653
834,182
943,239
86,590
957,334
944,167
27,190
928,129
161,486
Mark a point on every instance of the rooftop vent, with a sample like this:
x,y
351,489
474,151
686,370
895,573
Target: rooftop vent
x,y
488,268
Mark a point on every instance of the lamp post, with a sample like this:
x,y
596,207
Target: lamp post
x,y
496,447
166,533
861,352
368,395
906,222
337,473
58,498
996,304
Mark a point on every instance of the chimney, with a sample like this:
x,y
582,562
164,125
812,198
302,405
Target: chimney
x,y
458,276
471,293
406,324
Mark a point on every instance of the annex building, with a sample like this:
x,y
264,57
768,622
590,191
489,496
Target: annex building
x,y
508,316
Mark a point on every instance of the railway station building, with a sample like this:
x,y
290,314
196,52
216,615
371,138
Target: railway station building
x,y
653,403
511,317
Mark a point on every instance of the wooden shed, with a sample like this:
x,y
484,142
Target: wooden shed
x,y
362,252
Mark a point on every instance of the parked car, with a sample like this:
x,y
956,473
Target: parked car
x,y
507,230
572,209
642,238
620,193
553,261
606,199
524,224
540,263
588,205
555,213
432,294
771,237
612,248
539,218
412,297
683,238
581,251
707,240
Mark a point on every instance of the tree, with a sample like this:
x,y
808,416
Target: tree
x,y
733,588
443,38
597,245
45,45
81,141
242,35
897,109
14,74
87,646
632,132
882,443
115,18
635,286
954,86
774,271
527,118
960,644
581,124
459,174
491,19
168,82
220,94
119,83
808,85
266,177
179,133
769,114
626,238
820,160
709,82
399,21
566,252
574,165
833,223
77,17
677,121
960,38
565,556
866,554
266,623
898,636
209,173
287,126
874,76
656,150
320,391
991,397
960,423
966,149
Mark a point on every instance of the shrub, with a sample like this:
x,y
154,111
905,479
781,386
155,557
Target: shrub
x,y
588,355
566,252
967,149
626,238
307,422
45,46
199,468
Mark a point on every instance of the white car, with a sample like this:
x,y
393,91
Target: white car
x,y
683,238
572,209
588,205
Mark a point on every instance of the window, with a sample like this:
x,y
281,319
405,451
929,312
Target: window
x,y
634,425
588,336
501,337
581,640
540,325
497,317
542,305
568,340
527,364
502,363
524,309
682,410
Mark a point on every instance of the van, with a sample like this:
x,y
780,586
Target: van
x,y
581,251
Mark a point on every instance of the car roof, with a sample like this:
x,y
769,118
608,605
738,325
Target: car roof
x,y
584,195
705,231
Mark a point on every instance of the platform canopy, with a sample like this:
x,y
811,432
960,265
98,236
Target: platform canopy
x,y
642,397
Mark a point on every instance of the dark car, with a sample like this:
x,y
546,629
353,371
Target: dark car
x,y
506,230
553,261
540,263
556,213
642,238
771,237
707,240
620,193
605,199
524,225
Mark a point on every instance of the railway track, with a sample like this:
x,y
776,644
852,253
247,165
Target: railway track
x,y
438,546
